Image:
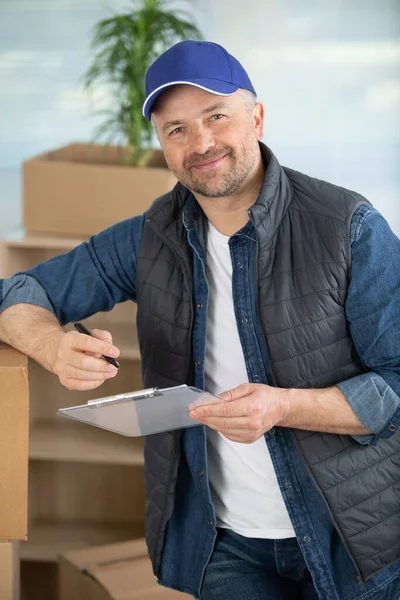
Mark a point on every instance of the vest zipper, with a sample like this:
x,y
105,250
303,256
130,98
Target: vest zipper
x,y
260,320
359,577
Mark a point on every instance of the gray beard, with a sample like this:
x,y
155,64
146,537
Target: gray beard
x,y
216,187
231,184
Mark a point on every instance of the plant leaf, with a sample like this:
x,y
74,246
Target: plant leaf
x,y
124,46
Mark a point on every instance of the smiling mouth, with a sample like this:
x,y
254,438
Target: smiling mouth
x,y
209,164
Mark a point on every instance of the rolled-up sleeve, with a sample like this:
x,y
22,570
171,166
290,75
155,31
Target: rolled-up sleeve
x,y
23,289
375,404
373,313
92,277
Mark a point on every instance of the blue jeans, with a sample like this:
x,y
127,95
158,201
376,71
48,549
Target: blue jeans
x,y
243,568
256,569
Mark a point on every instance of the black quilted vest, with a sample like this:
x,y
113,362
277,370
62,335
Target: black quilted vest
x,y
302,227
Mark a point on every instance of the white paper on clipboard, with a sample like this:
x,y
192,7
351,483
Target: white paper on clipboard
x,y
142,412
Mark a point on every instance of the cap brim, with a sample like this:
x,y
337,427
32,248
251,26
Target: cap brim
x,y
213,86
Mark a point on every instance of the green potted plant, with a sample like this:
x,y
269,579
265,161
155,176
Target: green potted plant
x,y
83,188
125,46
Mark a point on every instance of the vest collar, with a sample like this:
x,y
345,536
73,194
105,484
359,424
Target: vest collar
x,y
274,198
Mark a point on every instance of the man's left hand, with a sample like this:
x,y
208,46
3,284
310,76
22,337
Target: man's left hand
x,y
246,412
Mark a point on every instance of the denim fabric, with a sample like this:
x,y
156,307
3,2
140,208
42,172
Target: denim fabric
x,y
373,313
101,272
255,569
92,277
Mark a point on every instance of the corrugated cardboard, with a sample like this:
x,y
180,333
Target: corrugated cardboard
x,y
116,572
14,436
9,571
81,189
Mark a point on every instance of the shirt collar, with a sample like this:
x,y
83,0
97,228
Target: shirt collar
x,y
192,211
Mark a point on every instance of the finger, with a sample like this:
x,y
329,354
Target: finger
x,y
88,363
222,424
87,343
102,334
245,389
83,386
236,408
93,354
84,375
243,436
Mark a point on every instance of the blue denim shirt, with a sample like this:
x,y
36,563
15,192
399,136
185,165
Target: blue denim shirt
x,y
99,273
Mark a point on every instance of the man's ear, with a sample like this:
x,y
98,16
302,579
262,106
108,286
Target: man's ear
x,y
154,125
258,120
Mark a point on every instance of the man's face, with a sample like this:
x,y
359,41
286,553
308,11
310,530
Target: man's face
x,y
210,142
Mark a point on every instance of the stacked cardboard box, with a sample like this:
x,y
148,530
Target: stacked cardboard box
x,y
80,189
14,428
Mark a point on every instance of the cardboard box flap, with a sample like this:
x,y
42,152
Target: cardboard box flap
x,y
100,154
122,578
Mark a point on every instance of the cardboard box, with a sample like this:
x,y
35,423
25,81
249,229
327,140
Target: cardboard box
x,y
9,571
14,438
14,435
82,189
116,572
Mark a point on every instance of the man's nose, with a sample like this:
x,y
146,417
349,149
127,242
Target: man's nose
x,y
202,140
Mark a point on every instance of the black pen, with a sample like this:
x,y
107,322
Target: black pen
x,y
82,329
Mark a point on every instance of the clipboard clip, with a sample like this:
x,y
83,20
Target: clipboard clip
x,y
147,393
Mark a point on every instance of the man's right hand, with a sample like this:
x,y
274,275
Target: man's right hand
x,y
74,357
77,359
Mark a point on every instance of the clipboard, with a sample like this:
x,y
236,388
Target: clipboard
x,y
142,412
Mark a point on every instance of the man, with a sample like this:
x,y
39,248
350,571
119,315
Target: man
x,y
281,293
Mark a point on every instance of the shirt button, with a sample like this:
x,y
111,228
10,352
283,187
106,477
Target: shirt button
x,y
201,474
199,305
287,486
392,427
256,378
239,265
244,320
210,523
306,539
271,431
196,363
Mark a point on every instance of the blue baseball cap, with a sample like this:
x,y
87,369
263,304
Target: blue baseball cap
x,y
205,65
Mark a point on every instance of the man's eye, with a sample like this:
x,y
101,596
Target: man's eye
x,y
177,130
217,117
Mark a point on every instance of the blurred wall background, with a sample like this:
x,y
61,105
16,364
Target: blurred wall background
x,y
327,71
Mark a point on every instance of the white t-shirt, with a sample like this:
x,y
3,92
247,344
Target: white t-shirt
x,y
244,487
